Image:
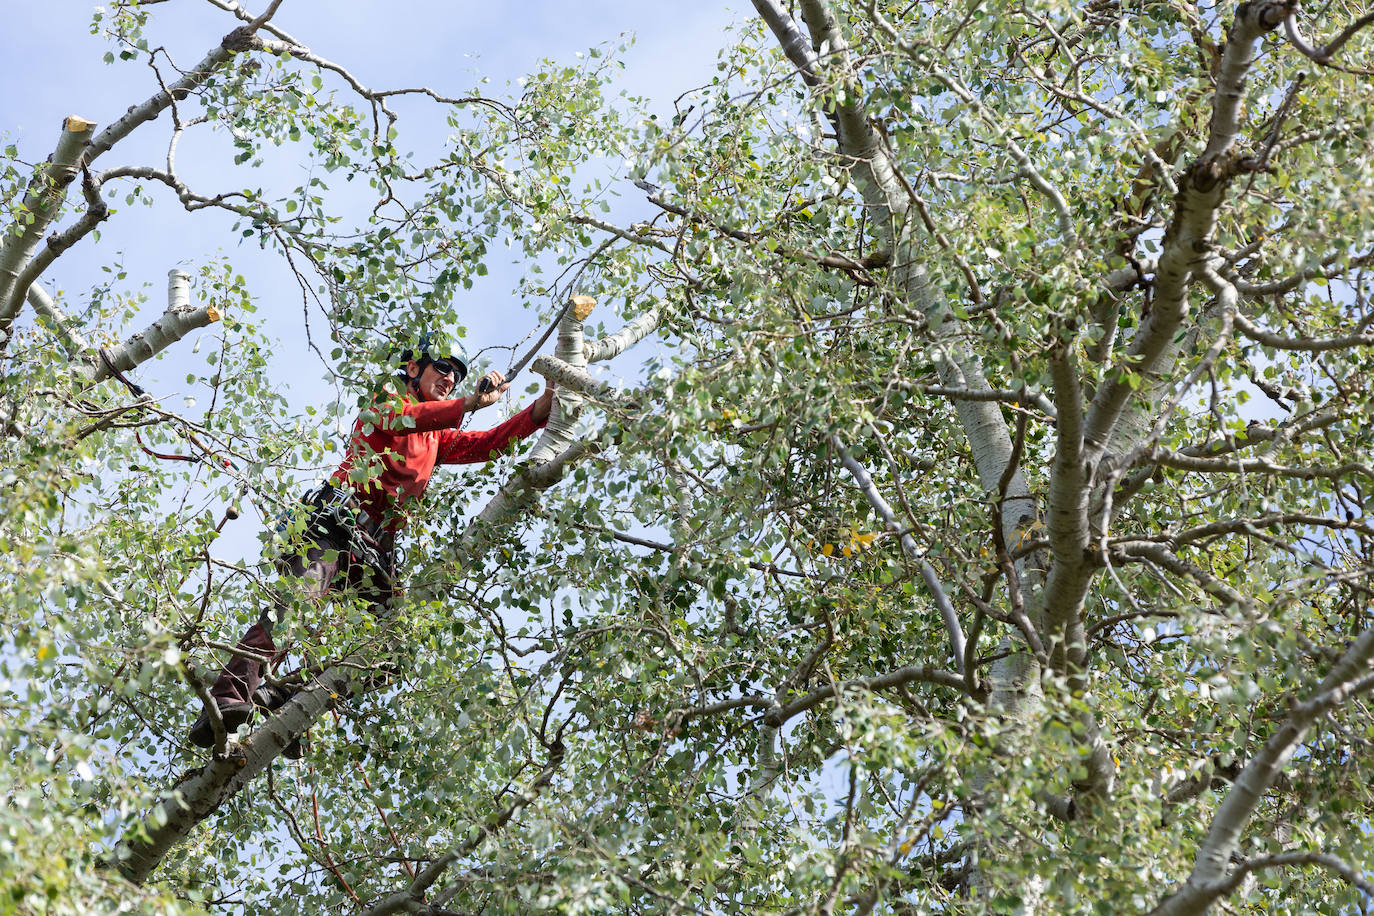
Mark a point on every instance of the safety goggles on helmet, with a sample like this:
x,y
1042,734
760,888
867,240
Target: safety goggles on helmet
x,y
447,366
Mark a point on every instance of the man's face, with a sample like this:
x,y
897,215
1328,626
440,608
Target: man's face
x,y
432,385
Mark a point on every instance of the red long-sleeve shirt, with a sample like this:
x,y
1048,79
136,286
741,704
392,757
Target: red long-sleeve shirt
x,y
408,453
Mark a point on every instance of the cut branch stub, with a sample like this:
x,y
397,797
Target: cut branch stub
x,y
43,202
567,406
180,319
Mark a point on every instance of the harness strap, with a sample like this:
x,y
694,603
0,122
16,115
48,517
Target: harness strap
x,y
338,509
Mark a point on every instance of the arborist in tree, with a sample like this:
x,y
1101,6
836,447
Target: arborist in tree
x,y
352,521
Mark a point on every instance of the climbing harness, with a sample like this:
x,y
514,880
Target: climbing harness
x,y
333,513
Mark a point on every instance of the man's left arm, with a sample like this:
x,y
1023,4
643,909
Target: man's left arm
x,y
478,447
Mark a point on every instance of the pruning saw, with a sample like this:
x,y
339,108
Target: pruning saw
x,y
581,305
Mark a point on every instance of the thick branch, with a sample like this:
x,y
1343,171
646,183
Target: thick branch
x,y
180,319
573,378
1071,575
790,39
42,202
567,405
613,345
1025,168
96,213
1188,240
76,343
1208,879
1066,586
201,791
885,194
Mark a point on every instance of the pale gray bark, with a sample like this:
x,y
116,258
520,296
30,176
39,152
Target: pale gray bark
x,y
1066,520
1111,423
790,39
94,363
201,791
1070,575
559,434
180,319
1209,878
43,202
567,405
572,378
885,195
766,763
1013,680
76,343
612,345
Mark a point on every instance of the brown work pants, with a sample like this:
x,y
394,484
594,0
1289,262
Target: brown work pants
x,y
319,568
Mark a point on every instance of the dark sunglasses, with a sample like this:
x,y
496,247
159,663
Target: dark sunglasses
x,y
445,367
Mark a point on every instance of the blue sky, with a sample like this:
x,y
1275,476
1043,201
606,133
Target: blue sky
x,y
52,66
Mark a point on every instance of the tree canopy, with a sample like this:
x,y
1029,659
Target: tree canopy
x,y
975,523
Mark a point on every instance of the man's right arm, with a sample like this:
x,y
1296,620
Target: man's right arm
x,y
431,415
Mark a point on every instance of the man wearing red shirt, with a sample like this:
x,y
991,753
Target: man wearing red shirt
x,y
394,449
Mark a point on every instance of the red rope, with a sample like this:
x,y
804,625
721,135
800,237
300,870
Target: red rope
x,y
163,455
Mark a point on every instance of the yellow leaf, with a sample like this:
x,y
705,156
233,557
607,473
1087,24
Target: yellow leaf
x,y
828,549
44,652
